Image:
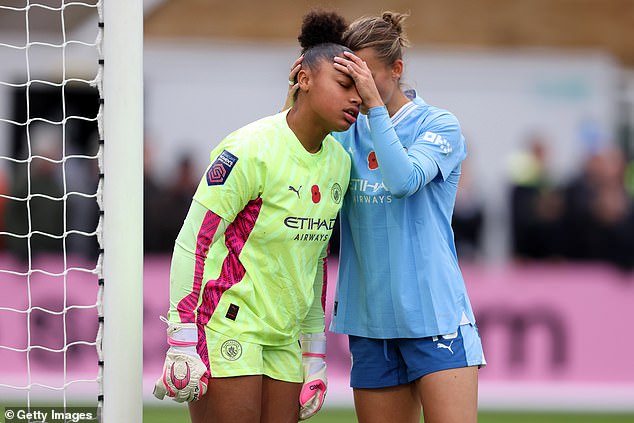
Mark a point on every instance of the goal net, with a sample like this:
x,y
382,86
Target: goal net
x,y
70,205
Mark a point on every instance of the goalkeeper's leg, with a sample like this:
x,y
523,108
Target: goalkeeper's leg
x,y
198,409
229,399
279,401
247,399
250,382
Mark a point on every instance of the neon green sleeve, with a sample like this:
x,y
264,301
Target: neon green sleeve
x,y
191,247
314,320
229,182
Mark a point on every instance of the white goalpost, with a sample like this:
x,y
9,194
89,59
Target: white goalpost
x,y
123,204
71,204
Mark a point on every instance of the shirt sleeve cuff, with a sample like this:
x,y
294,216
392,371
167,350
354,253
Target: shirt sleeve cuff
x,y
377,111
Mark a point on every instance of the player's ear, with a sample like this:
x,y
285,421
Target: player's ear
x,y
303,79
397,69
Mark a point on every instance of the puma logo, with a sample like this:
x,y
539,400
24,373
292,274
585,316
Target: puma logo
x,y
439,345
180,383
296,191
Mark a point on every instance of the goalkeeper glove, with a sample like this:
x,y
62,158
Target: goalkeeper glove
x,y
184,374
315,384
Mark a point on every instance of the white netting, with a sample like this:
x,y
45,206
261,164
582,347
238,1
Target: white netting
x,y
50,202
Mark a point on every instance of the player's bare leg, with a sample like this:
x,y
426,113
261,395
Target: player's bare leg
x,y
450,396
197,409
395,404
280,401
229,400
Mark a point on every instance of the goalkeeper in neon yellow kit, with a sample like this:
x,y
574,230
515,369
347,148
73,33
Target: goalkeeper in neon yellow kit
x,y
248,273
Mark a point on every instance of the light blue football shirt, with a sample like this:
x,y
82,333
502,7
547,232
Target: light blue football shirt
x,y
398,269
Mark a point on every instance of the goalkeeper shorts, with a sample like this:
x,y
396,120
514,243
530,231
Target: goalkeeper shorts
x,y
380,363
230,357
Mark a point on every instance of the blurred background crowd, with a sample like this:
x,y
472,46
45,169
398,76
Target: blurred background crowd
x,y
539,184
589,217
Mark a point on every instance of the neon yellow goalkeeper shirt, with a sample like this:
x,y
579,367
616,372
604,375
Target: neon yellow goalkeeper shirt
x,y
259,281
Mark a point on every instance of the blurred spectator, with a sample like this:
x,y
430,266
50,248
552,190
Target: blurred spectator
x,y
468,217
152,205
599,212
82,177
43,215
175,201
165,205
537,205
578,195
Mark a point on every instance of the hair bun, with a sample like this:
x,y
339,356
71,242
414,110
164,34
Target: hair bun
x,y
319,27
395,19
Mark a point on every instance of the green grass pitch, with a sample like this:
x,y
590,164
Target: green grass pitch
x,y
176,414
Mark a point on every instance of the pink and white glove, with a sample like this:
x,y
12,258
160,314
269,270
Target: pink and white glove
x,y
313,392
184,373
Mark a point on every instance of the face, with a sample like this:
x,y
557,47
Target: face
x,y
332,95
386,77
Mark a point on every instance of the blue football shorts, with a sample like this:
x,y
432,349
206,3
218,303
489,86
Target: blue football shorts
x,y
380,363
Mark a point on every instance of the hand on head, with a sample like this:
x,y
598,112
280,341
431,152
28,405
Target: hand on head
x,y
293,85
353,66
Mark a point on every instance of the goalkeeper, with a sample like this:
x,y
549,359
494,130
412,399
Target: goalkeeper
x,y
247,278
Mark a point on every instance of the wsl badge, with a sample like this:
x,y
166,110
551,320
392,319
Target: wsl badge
x,y
221,168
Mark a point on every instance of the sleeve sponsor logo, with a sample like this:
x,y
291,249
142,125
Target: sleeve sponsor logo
x,y
436,139
221,168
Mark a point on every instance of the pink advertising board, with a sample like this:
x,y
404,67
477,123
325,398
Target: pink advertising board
x,y
555,336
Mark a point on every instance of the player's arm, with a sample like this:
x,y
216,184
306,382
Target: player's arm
x,y
313,342
435,152
401,175
229,183
184,375
201,229
223,191
314,320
